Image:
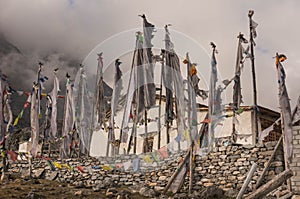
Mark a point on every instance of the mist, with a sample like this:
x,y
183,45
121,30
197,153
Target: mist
x,y
62,33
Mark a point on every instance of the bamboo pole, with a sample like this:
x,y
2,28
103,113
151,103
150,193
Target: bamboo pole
x,y
271,185
247,181
268,164
250,14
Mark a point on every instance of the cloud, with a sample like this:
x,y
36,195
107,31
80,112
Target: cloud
x,y
72,28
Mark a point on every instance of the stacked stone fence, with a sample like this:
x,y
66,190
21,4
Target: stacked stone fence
x,y
224,167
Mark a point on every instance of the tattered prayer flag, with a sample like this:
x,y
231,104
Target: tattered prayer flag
x,y
34,120
81,169
96,167
106,168
186,134
17,120
239,111
206,121
155,156
147,159
136,164
49,162
285,107
57,165
89,169
119,165
229,115
253,28
53,95
296,113
12,155
67,166
163,152
193,70
127,165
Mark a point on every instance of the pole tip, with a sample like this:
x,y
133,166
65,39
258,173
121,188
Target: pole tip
x,y
250,13
213,45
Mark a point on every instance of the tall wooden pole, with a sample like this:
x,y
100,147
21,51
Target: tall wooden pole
x,y
177,121
45,126
189,87
287,167
108,140
127,98
191,169
177,171
146,132
247,181
160,99
62,149
250,14
4,170
135,139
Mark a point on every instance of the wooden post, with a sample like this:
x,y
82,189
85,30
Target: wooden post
x,y
168,131
49,149
268,164
177,120
109,136
271,185
133,136
250,14
135,140
146,131
30,165
191,169
122,126
247,181
4,170
286,163
44,132
79,146
176,172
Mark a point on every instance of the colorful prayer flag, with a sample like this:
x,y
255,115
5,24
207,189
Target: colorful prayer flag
x,y
163,152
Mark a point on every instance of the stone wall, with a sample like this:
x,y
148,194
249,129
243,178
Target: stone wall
x,y
295,164
225,167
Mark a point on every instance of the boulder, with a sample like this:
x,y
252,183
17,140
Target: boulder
x,y
212,192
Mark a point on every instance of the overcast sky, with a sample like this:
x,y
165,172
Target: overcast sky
x,y
73,28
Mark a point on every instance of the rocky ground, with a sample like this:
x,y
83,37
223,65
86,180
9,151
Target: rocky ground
x,y
16,186
41,188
